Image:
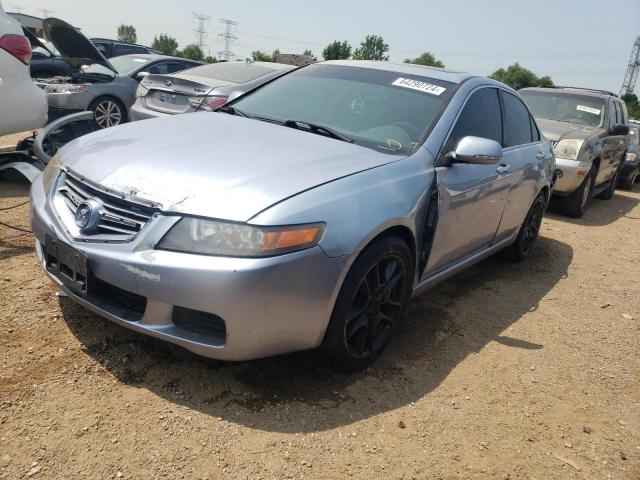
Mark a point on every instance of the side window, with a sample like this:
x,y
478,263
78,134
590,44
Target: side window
x,y
177,67
479,118
159,68
517,124
103,48
620,118
121,49
535,133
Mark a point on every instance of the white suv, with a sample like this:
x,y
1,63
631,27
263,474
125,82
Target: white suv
x,y
24,105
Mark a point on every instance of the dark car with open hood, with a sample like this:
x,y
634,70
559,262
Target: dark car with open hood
x,y
589,130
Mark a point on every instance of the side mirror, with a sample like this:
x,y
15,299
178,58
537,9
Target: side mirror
x,y
477,151
620,129
142,75
235,94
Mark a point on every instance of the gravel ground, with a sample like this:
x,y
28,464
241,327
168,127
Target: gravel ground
x,y
508,371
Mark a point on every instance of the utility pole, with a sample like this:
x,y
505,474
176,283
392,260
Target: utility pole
x,y
228,38
630,78
201,32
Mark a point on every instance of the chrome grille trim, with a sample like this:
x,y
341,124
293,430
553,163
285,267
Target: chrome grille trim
x,y
120,219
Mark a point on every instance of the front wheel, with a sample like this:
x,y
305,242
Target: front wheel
x,y
107,112
529,230
575,204
370,305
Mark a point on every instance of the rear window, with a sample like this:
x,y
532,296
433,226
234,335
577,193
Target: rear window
x,y
234,72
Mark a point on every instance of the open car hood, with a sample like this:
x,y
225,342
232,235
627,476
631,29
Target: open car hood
x,y
74,47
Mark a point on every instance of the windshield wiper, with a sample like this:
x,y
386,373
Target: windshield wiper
x,y
232,111
319,129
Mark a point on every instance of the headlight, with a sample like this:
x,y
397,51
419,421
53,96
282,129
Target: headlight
x,y
210,237
631,157
50,173
568,148
65,87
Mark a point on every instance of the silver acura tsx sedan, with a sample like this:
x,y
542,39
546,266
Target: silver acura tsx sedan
x,y
303,214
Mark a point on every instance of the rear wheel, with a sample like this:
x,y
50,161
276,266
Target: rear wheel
x,y
575,204
108,112
529,230
370,305
627,184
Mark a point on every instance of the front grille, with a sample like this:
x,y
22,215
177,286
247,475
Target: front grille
x,y
119,219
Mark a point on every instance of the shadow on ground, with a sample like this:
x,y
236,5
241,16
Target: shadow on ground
x,y
602,212
294,393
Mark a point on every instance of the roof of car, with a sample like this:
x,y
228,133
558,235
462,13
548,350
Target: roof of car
x,y
274,65
408,68
585,92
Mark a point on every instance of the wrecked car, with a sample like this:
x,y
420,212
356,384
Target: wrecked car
x,y
303,214
105,87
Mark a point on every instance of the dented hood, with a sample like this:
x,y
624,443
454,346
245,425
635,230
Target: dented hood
x,y
214,164
556,130
74,47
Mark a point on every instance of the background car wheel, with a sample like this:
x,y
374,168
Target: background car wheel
x,y
627,184
108,112
529,230
370,305
575,204
611,189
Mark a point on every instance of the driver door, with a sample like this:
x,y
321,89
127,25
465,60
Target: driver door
x,y
471,198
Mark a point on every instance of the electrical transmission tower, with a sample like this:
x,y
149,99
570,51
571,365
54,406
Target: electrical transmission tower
x,y
631,76
201,32
228,38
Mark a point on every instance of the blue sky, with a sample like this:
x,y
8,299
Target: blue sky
x,y
577,42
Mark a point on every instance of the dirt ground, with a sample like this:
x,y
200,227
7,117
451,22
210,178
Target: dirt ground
x,y
508,371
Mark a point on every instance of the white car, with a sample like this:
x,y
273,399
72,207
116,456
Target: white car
x,y
24,105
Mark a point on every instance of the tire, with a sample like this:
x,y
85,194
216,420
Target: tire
x,y
575,204
107,112
526,240
611,189
627,184
363,322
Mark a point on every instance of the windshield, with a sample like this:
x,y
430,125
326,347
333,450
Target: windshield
x,y
124,65
234,72
388,111
578,109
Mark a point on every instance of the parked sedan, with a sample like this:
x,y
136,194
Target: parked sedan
x,y
202,88
303,214
105,87
22,105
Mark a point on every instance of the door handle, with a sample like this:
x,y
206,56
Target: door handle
x,y
503,168
540,155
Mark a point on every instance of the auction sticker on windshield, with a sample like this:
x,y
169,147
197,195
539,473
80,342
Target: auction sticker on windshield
x,y
418,85
582,108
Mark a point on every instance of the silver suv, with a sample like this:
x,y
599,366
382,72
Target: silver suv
x,y
589,130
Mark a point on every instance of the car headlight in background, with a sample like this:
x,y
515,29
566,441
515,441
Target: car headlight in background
x,y
211,237
568,148
631,157
64,87
208,103
50,173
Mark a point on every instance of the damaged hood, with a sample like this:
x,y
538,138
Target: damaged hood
x,y
214,164
74,47
555,130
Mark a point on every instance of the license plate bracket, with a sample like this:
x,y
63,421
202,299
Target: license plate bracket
x,y
67,264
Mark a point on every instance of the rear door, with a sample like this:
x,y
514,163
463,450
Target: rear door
x,y
471,198
523,158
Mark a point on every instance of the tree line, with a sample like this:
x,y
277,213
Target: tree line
x,y
373,47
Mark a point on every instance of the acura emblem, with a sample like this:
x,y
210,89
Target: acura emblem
x,y
168,83
87,215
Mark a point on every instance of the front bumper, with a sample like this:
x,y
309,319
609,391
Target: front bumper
x,y
573,174
269,306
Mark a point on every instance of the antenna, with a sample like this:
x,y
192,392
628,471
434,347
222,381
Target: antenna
x,y
201,32
228,38
630,78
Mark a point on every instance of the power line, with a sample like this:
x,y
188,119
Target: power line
x,y
201,32
228,38
630,78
